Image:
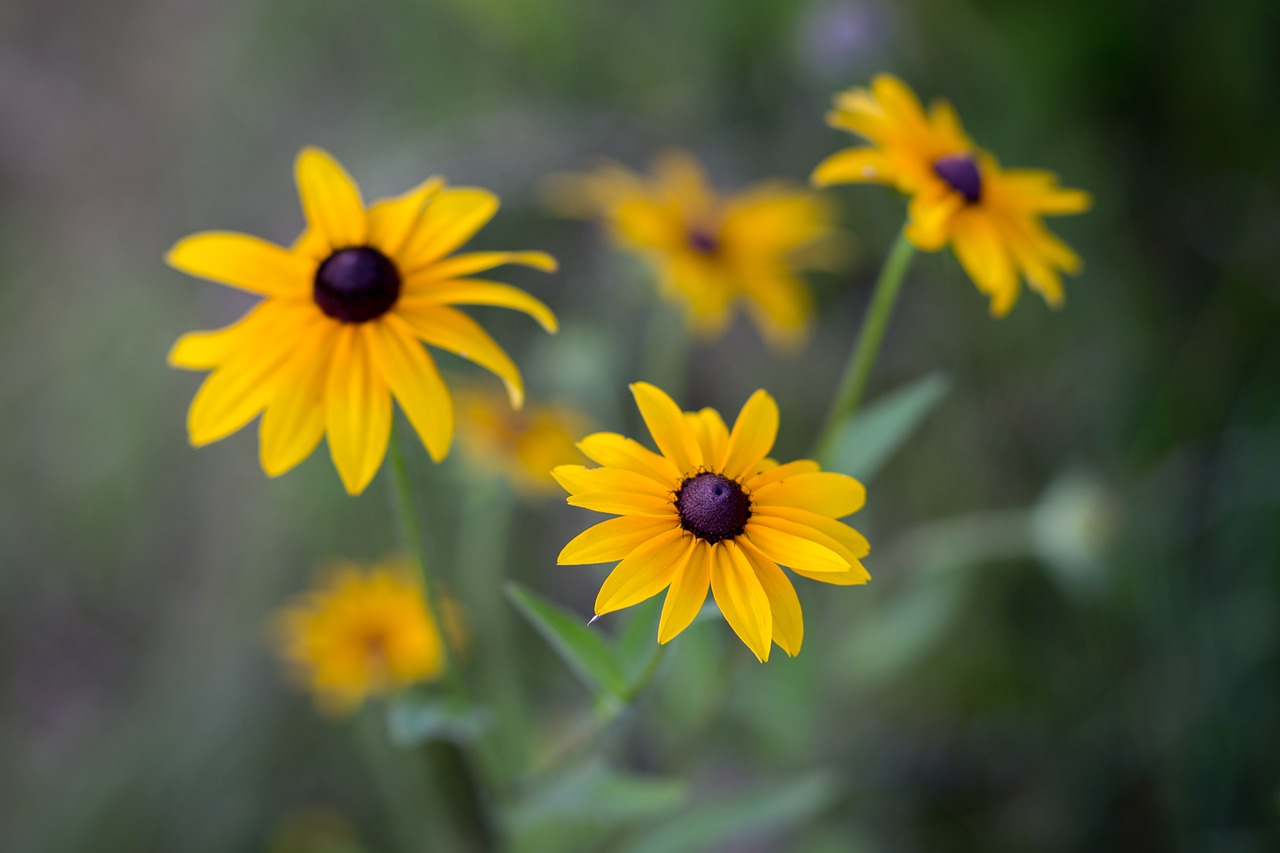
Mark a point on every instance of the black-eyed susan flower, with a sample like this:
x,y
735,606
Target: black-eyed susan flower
x,y
361,633
711,251
347,310
522,446
709,511
960,195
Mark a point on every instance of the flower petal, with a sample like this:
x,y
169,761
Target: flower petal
x,y
578,479
244,262
294,421
836,535
411,375
451,218
741,598
265,322
856,575
778,473
753,435
709,431
470,291
358,410
978,247
647,571
616,451
454,331
824,492
784,605
792,550
624,503
474,262
330,199
392,220
667,426
688,592
853,166
781,305
611,540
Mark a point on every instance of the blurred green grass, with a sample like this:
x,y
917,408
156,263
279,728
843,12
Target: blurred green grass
x,y
139,705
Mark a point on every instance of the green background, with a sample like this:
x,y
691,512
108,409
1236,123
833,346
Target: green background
x,y
1072,640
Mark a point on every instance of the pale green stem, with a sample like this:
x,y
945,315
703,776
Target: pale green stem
x,y
863,357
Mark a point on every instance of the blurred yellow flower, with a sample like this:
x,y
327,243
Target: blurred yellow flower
x,y
990,216
710,251
340,331
522,446
709,511
361,633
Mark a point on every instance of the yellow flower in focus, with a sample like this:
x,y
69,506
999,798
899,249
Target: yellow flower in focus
x,y
709,511
361,633
711,251
346,311
960,195
523,445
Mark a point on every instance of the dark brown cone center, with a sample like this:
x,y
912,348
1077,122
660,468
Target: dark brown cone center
x,y
713,507
960,171
356,285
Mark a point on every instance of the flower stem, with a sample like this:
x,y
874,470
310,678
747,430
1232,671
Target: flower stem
x,y
863,357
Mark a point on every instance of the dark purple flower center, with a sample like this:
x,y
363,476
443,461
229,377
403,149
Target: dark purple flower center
x,y
960,171
703,241
713,507
356,285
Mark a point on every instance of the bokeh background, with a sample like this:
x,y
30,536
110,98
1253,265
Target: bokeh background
x,y
1073,636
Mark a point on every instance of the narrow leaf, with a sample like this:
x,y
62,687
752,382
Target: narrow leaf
x,y
876,432
585,651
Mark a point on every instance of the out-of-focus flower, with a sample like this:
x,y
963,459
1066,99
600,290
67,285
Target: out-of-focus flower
x,y
711,251
960,195
347,309
361,633
709,511
523,445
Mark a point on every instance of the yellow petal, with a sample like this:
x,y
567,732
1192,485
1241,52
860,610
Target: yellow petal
x,y
836,535
931,218
753,435
824,492
266,321
853,166
979,249
617,451
474,262
451,218
647,571
240,388
411,375
330,199
451,330
625,503
741,598
710,432
667,426
244,262
784,605
780,304
293,422
855,575
796,552
469,291
578,479
358,411
779,473
688,592
391,220
611,540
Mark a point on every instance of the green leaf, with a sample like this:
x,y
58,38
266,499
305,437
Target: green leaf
x,y
413,720
758,811
585,651
876,432
637,642
596,795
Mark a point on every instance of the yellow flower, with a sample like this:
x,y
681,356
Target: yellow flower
x,y
990,216
361,633
710,251
522,446
710,511
338,334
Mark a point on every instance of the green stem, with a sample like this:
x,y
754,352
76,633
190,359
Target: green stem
x,y
863,357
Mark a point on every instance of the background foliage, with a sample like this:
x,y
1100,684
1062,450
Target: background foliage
x,y
1072,637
